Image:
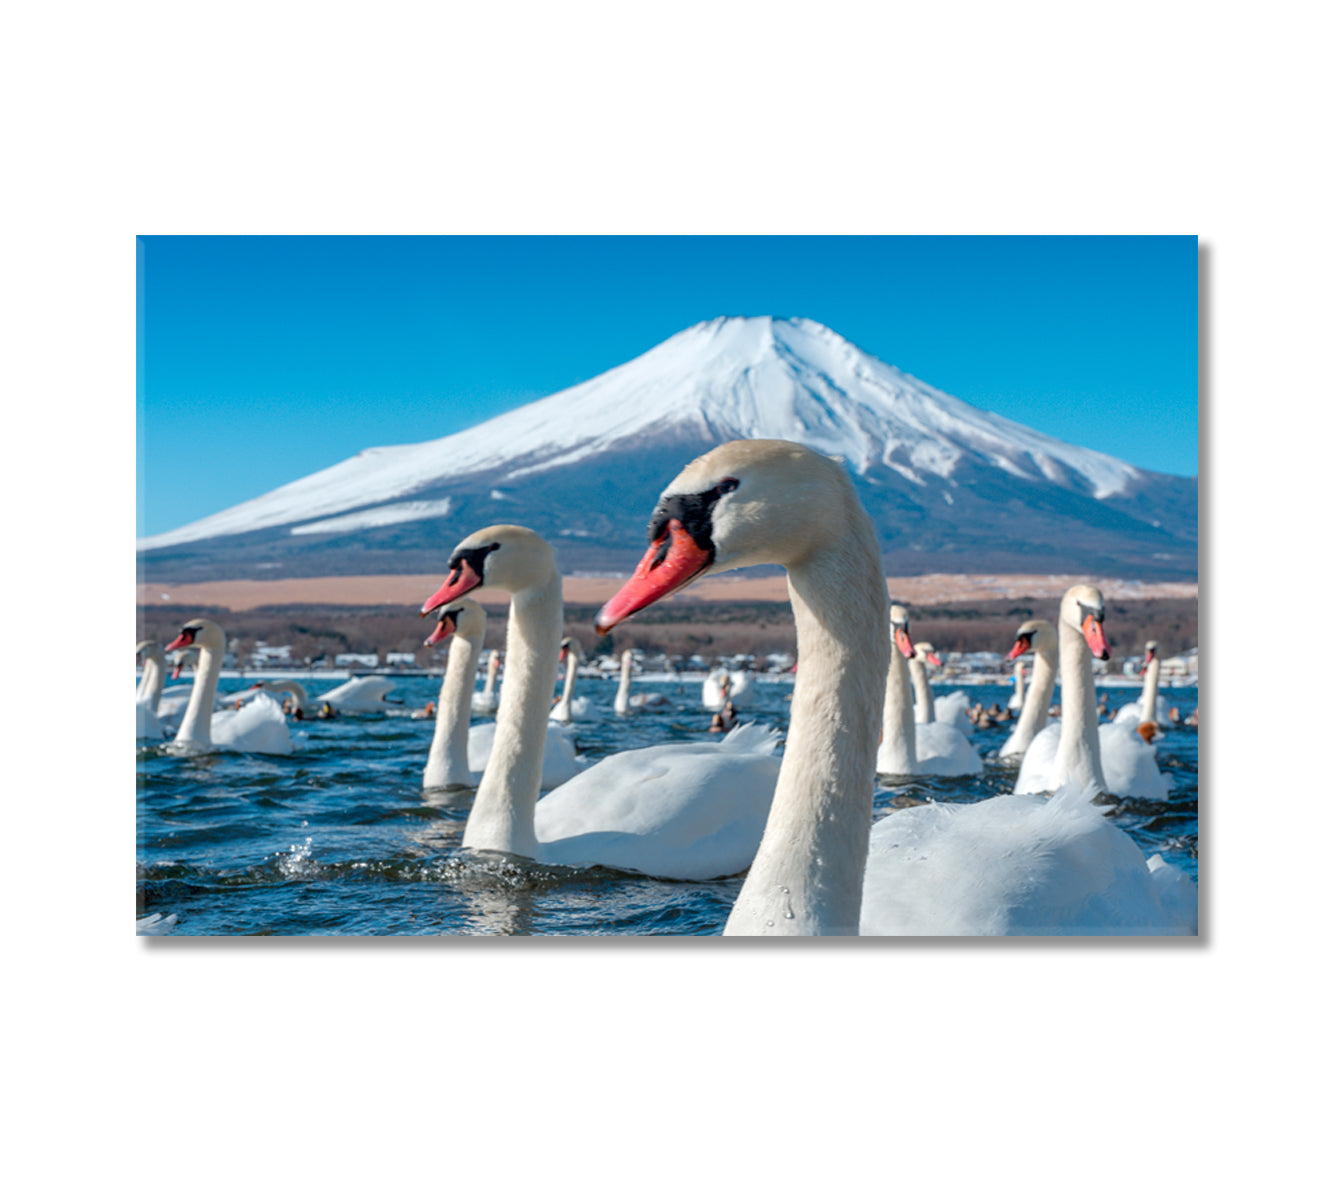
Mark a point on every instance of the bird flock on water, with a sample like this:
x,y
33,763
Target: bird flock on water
x,y
1043,860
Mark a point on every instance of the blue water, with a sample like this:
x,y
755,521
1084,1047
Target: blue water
x,y
339,838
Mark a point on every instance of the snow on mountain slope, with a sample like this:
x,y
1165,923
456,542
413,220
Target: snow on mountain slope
x,y
732,377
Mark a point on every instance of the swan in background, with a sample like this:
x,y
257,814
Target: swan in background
x,y
681,812
1150,702
1016,701
485,701
364,694
952,709
625,703
723,685
257,728
798,509
175,696
459,753
149,693
288,687
568,708
1040,637
906,747
1076,749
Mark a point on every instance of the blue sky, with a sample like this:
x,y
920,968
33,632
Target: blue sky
x,y
261,360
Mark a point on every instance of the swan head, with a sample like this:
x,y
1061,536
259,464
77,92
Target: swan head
x,y
898,628
742,504
926,652
1150,652
571,647
1083,609
508,557
466,618
1033,635
201,633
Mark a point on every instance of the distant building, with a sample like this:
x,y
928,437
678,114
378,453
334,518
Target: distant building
x,y
356,660
397,658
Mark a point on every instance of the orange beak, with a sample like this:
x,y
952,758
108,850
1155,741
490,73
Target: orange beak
x,y
443,629
460,583
1022,646
1092,629
182,639
670,563
903,642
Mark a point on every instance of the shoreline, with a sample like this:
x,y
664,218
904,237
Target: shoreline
x,y
243,595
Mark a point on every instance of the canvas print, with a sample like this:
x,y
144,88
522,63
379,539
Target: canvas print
x,y
684,586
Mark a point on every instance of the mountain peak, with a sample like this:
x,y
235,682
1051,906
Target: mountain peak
x,y
723,379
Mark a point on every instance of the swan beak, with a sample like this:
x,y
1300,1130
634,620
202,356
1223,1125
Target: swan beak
x,y
668,565
176,670
443,629
1022,646
462,581
934,660
1149,656
903,642
1096,639
185,638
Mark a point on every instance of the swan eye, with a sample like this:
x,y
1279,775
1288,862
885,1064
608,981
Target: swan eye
x,y
728,485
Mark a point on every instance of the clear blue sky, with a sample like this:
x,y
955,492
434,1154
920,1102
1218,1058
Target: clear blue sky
x,y
264,359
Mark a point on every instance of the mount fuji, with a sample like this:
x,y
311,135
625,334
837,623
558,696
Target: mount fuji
x,y
951,488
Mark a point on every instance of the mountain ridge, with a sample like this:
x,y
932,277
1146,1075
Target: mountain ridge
x,y
947,483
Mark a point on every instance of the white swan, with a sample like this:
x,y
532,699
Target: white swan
x,y
485,701
363,694
952,709
750,503
1149,701
568,708
149,693
625,703
1018,865
909,748
1016,700
1076,749
459,753
257,728
1040,637
683,812
722,686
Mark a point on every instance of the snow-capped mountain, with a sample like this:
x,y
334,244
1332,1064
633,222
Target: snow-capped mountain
x,y
951,487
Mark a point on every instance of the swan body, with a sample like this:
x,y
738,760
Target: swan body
x,y
1112,758
679,811
259,727
723,685
1040,637
749,503
1128,764
155,924
691,810
364,694
908,747
1018,865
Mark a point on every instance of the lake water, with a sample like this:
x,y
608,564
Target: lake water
x,y
339,838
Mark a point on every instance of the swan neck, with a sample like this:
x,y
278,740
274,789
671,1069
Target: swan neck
x,y
807,874
1037,698
924,701
150,686
1078,755
898,747
502,813
622,702
197,724
447,761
